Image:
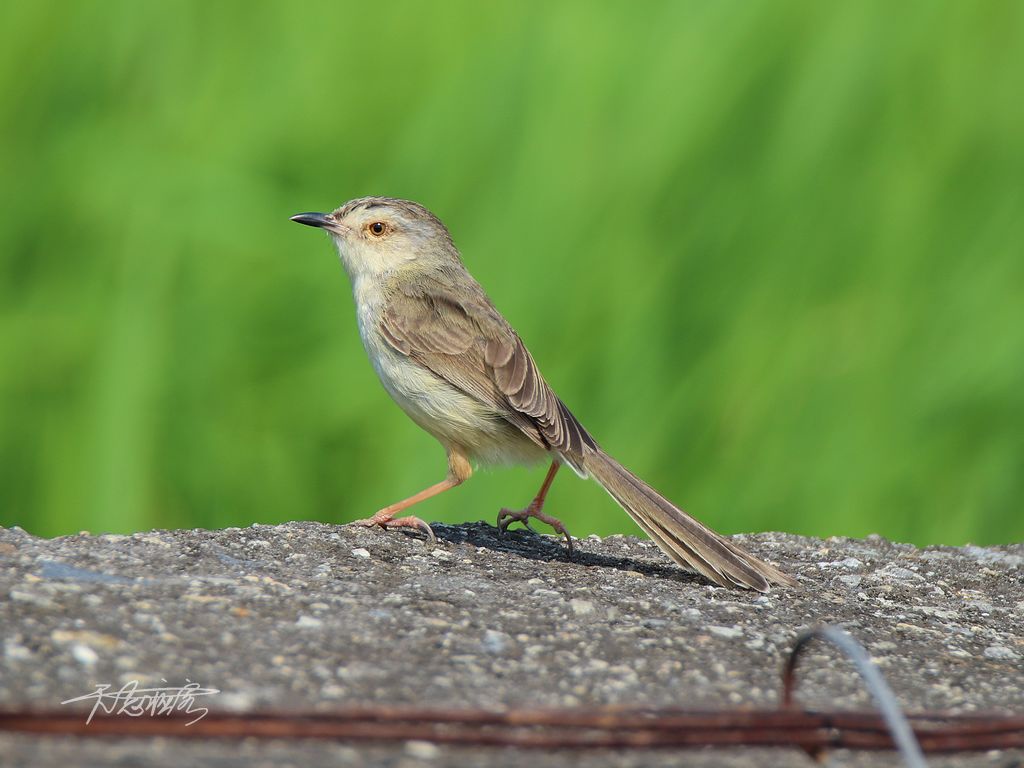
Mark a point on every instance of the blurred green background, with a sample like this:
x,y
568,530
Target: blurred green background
x,y
771,254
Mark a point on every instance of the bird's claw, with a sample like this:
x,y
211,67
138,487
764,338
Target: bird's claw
x,y
508,516
386,522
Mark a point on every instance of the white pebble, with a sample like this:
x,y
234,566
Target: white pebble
x,y
422,750
581,607
1001,653
730,633
84,655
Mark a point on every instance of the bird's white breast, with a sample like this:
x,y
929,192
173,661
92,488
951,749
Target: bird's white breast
x,y
447,413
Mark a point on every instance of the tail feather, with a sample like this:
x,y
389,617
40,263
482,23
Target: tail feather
x,y
684,539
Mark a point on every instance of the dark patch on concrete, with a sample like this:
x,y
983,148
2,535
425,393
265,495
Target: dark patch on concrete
x,y
51,569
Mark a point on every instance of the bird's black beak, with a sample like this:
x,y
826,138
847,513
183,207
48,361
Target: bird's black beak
x,y
314,219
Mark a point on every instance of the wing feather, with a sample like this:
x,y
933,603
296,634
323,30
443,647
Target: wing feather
x,y
465,341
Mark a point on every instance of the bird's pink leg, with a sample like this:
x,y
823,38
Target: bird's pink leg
x,y
508,516
459,470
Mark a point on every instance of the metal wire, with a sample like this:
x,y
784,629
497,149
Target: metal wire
x,y
578,728
902,733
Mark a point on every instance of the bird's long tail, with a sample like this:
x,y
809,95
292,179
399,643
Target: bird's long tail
x,y
684,539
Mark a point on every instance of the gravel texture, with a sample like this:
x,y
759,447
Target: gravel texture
x,y
312,616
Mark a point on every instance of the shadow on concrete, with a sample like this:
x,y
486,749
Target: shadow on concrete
x,y
534,546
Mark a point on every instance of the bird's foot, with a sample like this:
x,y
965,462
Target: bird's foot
x,y
508,516
384,520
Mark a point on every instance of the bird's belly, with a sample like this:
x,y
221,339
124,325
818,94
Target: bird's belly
x,y
450,415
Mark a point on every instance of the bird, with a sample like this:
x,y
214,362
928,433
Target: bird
x,y
458,369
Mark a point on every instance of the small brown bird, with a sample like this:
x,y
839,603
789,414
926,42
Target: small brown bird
x,y
459,370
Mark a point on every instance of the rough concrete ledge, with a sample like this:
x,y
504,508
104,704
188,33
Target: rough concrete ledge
x,y
307,615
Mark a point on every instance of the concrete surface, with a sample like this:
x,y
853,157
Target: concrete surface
x,y
307,615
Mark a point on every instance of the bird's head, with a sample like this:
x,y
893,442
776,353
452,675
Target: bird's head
x,y
380,235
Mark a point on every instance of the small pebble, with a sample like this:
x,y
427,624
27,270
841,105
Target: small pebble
x,y
730,633
546,593
581,607
422,750
1001,653
84,655
495,642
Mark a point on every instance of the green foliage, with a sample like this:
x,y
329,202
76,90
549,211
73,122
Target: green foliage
x,y
769,253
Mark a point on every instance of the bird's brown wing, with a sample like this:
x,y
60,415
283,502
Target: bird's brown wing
x,y
463,339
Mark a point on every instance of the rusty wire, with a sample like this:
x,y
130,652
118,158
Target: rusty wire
x,y
890,709
576,728
551,729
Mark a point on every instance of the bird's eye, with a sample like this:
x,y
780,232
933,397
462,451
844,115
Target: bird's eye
x,y
377,228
